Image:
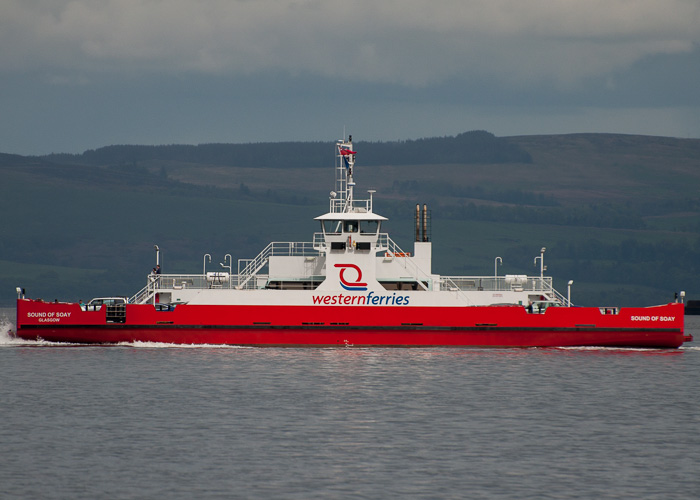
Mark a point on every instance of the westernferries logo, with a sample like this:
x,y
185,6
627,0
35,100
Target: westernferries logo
x,y
352,281
354,286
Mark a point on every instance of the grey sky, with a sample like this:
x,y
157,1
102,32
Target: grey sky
x,y
82,74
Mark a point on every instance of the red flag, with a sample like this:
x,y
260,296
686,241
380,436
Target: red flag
x,y
346,152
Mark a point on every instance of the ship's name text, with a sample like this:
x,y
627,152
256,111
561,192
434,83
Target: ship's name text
x,y
48,317
653,318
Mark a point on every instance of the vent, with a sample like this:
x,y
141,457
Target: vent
x,y
116,313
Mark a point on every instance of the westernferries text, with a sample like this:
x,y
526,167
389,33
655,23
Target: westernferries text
x,y
371,299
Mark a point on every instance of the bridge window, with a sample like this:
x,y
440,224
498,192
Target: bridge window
x,y
331,226
350,226
369,227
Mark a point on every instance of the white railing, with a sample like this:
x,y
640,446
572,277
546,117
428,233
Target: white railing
x,y
445,283
340,205
248,268
167,282
319,242
503,283
535,284
563,300
143,295
393,251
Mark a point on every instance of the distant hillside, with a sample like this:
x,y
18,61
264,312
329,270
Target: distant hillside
x,y
615,167
468,147
619,214
8,160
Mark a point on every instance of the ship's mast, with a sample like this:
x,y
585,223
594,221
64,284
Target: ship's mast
x,y
344,183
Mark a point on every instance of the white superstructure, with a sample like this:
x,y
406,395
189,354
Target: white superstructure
x,y
349,257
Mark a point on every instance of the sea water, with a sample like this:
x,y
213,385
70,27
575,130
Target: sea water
x,y
161,421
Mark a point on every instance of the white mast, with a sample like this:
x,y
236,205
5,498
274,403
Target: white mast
x,y
344,182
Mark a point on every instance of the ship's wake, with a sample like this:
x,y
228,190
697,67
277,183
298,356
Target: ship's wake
x,y
161,345
624,350
7,339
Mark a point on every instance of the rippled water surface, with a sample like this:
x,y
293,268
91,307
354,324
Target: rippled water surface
x,y
158,421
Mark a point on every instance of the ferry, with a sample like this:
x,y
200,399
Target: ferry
x,y
351,286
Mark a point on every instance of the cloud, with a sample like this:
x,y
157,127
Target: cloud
x,y
79,74
411,43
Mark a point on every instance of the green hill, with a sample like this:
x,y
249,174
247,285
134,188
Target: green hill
x,y
619,214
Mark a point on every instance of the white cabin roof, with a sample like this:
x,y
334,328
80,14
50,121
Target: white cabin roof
x,y
350,216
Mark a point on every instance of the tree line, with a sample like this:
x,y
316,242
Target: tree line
x,y
468,147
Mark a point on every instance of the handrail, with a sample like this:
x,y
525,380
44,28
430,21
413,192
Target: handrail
x,y
395,251
147,292
415,269
251,267
506,283
563,300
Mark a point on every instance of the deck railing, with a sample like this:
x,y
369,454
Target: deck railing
x,y
444,283
171,281
517,283
503,283
248,273
248,268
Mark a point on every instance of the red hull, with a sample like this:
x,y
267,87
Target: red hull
x,y
488,326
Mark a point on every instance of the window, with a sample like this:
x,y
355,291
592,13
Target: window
x,y
369,227
331,226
